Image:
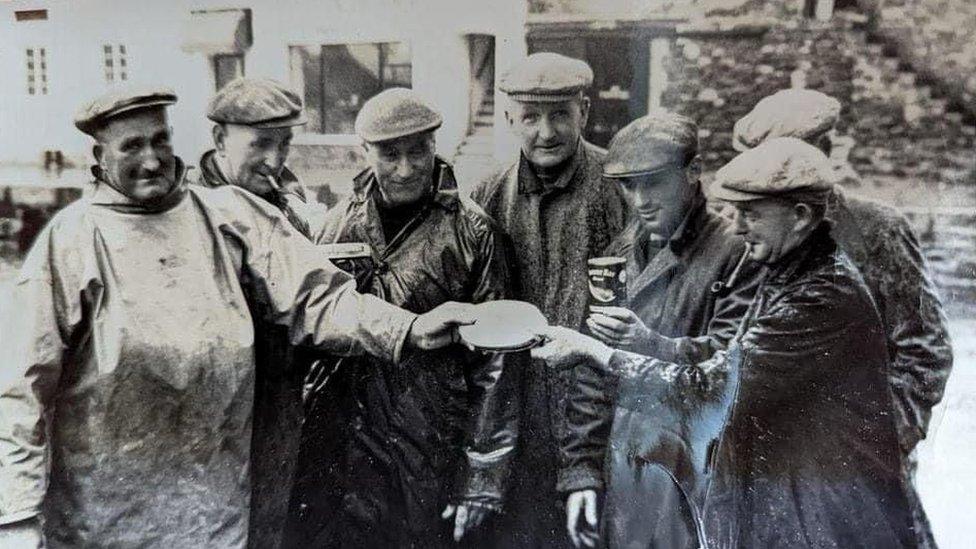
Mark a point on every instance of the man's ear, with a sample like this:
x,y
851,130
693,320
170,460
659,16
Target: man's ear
x,y
508,118
803,216
97,151
584,111
219,137
694,170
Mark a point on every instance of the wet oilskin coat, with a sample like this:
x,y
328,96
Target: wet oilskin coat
x,y
882,245
670,289
808,454
131,362
441,428
281,368
553,229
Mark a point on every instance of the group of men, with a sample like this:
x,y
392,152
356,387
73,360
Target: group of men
x,y
226,364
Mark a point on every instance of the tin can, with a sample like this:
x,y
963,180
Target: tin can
x,y
608,281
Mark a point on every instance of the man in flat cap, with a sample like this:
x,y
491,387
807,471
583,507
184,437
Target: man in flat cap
x,y
128,381
785,439
254,125
883,246
555,208
438,434
689,284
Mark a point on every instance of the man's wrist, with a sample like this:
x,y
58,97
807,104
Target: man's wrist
x,y
600,355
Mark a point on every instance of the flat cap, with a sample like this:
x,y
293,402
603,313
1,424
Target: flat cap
x,y
257,102
782,166
546,77
651,143
800,113
95,113
396,112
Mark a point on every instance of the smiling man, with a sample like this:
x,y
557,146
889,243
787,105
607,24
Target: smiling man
x,y
555,208
688,286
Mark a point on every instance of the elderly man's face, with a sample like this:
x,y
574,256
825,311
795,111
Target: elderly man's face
x,y
549,131
661,199
250,155
772,227
135,154
403,167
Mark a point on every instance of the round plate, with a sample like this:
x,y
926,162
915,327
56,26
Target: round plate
x,y
504,326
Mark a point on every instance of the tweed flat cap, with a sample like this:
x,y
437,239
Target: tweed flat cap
x,y
651,143
95,113
546,77
396,112
782,166
803,114
259,103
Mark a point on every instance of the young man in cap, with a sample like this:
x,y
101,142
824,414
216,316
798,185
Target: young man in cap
x,y
439,433
127,388
786,439
689,285
883,246
558,212
254,125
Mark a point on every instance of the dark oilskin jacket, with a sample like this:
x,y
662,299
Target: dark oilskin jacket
x,y
786,439
554,228
442,428
672,289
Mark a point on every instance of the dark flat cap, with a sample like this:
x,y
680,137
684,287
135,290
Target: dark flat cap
x,y
95,113
546,77
396,112
782,166
651,143
259,103
800,113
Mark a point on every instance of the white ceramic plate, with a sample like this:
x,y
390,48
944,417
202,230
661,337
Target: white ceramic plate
x,y
504,326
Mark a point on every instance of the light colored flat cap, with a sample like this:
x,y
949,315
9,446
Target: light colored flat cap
x,y
651,143
395,113
94,114
546,77
800,113
779,167
257,102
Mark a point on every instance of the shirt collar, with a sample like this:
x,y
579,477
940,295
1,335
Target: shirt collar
x,y
530,183
445,185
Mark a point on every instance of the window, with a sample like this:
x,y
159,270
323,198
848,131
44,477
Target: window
x,y
115,63
36,71
338,79
227,68
30,15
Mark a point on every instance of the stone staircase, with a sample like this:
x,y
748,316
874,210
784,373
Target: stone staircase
x,y
475,156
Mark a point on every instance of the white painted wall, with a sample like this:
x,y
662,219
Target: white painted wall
x,y
152,32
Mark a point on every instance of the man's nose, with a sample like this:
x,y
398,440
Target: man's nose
x,y
739,224
546,131
150,161
404,169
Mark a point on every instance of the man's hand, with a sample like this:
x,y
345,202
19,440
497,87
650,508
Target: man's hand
x,y
564,348
617,326
25,534
582,502
438,327
466,518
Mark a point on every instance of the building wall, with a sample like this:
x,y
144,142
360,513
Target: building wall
x,y
153,33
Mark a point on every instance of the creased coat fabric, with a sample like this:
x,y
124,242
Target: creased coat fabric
x,y
440,430
883,246
554,229
281,368
786,439
129,366
670,289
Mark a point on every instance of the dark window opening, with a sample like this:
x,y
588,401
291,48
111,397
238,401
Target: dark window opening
x,y
31,15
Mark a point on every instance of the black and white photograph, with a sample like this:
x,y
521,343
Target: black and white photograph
x,y
489,274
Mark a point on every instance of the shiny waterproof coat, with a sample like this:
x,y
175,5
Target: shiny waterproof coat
x,y
278,383
442,429
694,290
128,381
554,228
786,439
